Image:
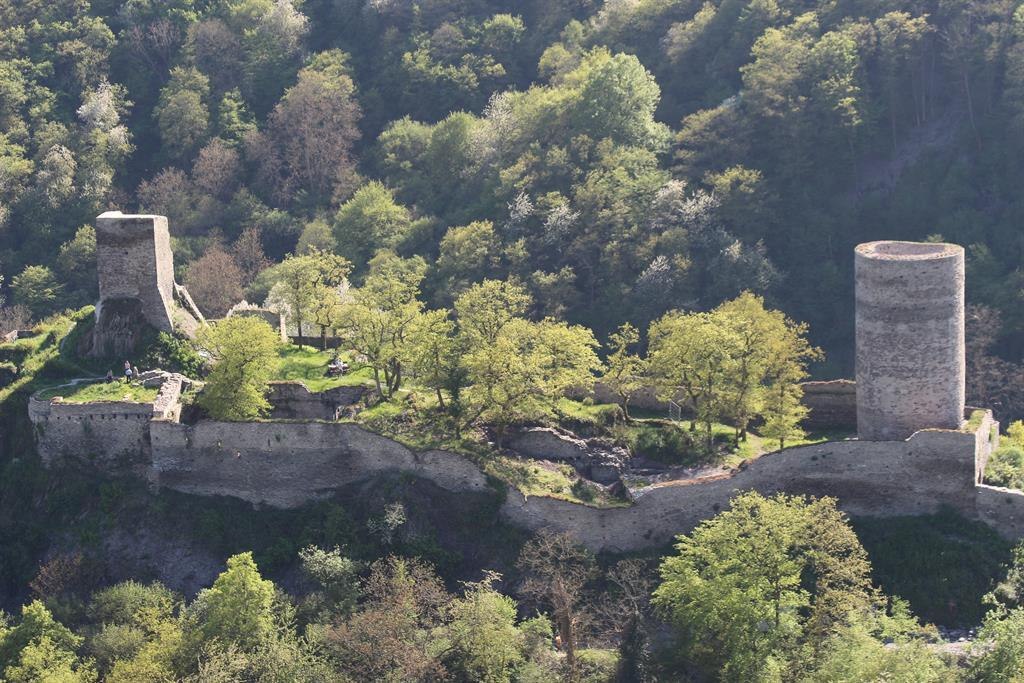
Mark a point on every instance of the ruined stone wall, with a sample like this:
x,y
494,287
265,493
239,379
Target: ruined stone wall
x,y
910,338
880,479
272,318
289,464
286,464
109,434
1002,509
832,405
294,401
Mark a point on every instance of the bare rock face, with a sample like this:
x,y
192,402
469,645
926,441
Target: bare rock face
x,y
596,459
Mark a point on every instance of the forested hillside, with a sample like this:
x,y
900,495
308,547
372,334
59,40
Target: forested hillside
x,y
621,159
469,211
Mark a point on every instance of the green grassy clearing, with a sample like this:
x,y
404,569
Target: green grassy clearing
x,y
308,365
102,391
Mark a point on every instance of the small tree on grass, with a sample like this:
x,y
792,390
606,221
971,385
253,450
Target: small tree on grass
x,y
243,351
695,354
434,353
378,319
525,370
625,372
300,282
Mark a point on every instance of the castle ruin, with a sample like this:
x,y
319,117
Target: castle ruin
x,y
910,338
135,267
915,452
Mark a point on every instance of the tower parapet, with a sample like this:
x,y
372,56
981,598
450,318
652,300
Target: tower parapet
x,y
910,338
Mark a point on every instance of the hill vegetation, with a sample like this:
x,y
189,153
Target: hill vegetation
x,y
490,205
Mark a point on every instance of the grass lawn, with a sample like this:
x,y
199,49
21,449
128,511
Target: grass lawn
x,y
102,391
306,364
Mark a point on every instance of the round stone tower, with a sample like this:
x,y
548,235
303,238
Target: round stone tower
x,y
910,338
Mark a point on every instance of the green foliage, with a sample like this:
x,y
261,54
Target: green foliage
x,y
238,608
182,113
369,221
625,372
36,288
337,576
856,653
173,353
750,587
942,564
307,287
243,351
735,363
1002,658
486,644
39,647
1006,465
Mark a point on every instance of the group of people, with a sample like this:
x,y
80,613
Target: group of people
x,y
337,367
130,372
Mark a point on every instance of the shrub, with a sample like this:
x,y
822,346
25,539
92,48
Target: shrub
x,y
172,353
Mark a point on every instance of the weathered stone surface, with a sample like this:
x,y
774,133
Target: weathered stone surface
x,y
276,320
289,464
832,405
910,338
879,479
135,268
294,401
596,459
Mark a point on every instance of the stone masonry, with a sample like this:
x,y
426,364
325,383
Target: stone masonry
x,y
910,338
135,268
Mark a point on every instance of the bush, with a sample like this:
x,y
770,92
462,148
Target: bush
x,y
1006,468
175,354
598,666
664,442
942,564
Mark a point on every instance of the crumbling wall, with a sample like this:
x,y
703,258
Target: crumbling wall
x,y
294,401
111,435
272,318
878,479
832,405
286,464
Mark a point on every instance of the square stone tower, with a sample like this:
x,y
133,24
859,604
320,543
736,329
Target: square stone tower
x,y
135,267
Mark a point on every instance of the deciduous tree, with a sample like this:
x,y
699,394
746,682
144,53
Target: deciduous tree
x,y
243,351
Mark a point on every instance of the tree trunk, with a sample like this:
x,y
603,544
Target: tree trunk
x,y
323,337
569,643
376,378
440,399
